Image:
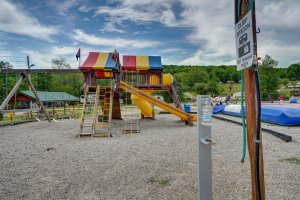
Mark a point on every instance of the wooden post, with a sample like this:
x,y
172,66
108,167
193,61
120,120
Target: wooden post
x,y
36,95
10,95
29,78
53,109
251,110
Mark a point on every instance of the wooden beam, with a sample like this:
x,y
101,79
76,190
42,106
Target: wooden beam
x,y
21,110
36,95
251,112
39,71
11,94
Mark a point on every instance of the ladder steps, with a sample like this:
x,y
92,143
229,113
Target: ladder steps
x,y
102,135
104,98
102,127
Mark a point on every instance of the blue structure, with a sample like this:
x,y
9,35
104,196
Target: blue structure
x,y
275,114
187,108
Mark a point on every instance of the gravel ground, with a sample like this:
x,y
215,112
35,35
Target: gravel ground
x,y
158,163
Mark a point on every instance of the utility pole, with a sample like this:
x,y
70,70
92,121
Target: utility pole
x,y
253,105
29,78
6,84
28,67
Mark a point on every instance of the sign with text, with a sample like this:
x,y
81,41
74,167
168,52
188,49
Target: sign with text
x,y
244,42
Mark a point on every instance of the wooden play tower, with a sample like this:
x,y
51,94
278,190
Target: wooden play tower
x,y
139,76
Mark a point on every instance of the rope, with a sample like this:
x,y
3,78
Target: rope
x,y
242,102
243,117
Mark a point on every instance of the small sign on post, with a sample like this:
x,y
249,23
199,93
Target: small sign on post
x,y
244,42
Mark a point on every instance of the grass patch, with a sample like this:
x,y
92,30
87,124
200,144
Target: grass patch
x,y
293,160
230,88
151,180
162,182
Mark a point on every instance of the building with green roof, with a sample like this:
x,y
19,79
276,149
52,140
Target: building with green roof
x,y
46,96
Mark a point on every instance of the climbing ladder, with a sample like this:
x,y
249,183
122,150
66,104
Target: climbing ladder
x,y
131,119
131,114
101,123
102,118
176,98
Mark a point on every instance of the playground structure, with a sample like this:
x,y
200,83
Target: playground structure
x,y
139,75
26,104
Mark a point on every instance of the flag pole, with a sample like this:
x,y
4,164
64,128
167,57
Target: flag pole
x,y
78,56
79,62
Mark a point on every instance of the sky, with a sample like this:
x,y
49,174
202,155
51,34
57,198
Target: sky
x,y
183,32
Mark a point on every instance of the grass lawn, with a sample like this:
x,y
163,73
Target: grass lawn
x,y
235,87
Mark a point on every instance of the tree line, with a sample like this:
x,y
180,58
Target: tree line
x,y
209,79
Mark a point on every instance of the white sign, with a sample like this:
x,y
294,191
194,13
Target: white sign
x,y
244,42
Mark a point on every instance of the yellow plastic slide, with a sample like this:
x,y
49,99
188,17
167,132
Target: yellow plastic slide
x,y
143,105
157,102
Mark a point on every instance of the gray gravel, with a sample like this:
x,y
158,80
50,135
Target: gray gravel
x,y
158,163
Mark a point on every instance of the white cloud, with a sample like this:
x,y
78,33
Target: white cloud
x,y
140,12
13,19
111,27
86,19
81,36
4,54
286,54
84,8
63,50
62,6
213,31
212,26
42,58
282,14
171,50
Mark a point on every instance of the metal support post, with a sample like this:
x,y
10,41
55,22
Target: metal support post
x,y
204,148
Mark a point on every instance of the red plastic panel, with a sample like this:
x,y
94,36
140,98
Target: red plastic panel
x,y
90,61
129,62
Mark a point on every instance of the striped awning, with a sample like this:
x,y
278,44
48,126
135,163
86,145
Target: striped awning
x,y
98,61
142,63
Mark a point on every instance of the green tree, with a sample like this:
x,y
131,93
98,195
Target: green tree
x,y
199,88
269,79
196,76
5,65
235,76
293,72
213,88
284,81
182,80
60,63
5,80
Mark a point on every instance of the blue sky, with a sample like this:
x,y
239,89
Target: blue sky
x,y
181,31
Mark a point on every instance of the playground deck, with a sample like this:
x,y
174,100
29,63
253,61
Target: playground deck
x,y
44,160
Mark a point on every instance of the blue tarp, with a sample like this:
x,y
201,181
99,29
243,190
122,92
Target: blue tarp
x,y
218,109
276,115
293,100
